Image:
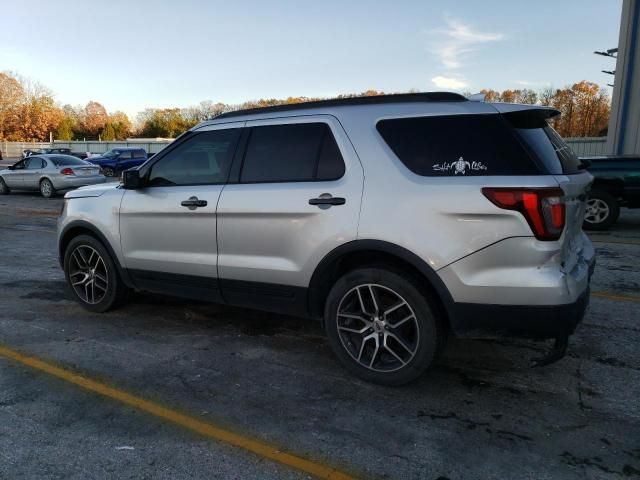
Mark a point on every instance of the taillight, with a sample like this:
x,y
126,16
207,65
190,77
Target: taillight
x,y
67,171
543,208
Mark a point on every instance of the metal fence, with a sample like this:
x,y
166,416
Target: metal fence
x,y
585,146
588,146
12,150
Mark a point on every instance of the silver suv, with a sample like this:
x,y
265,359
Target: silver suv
x,y
396,220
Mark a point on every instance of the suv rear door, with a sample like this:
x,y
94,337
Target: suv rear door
x,y
293,197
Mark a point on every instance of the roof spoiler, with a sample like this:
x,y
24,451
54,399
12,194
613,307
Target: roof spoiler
x,y
477,97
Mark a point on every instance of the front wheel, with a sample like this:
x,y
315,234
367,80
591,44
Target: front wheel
x,y
380,326
92,276
108,172
4,189
46,188
602,211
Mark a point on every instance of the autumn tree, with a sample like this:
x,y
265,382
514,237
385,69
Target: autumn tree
x,y
93,119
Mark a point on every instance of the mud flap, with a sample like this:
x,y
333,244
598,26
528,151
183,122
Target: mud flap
x,y
558,352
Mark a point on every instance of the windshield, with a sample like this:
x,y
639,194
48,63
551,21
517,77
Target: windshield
x,y
111,154
547,144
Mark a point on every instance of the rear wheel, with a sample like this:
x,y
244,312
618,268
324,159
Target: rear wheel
x,y
92,275
4,189
602,211
381,327
46,188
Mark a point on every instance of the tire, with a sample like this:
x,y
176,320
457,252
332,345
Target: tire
x,y
46,188
4,189
602,211
108,172
102,288
370,347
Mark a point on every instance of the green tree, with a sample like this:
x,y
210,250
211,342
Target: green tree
x,y
108,134
65,129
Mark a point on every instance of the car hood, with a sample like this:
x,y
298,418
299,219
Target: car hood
x,y
92,190
97,159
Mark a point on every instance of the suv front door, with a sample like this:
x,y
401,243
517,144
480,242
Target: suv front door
x,y
168,227
295,198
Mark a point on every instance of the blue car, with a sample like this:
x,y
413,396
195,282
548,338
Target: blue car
x,y
118,159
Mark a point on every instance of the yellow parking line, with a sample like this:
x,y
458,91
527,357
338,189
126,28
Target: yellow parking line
x,y
206,429
611,296
620,242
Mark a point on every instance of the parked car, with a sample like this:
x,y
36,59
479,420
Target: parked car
x,y
49,174
616,184
46,151
394,220
117,160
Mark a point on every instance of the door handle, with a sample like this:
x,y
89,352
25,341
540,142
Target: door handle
x,y
193,203
326,200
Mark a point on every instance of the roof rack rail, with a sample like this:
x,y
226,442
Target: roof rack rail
x,y
339,102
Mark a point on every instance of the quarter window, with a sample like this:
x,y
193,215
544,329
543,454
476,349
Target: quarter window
x,y
302,152
204,158
457,145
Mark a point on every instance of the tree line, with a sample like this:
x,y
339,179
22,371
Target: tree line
x,y
28,112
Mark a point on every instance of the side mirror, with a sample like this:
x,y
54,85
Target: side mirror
x,y
131,179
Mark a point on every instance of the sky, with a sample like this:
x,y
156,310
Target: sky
x,y
137,54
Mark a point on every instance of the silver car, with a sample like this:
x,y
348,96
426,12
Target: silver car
x,y
49,174
395,220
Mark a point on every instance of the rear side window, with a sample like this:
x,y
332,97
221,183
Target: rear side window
x,y
125,155
291,153
138,154
457,145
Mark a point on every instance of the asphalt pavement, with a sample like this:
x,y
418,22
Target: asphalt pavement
x,y
481,412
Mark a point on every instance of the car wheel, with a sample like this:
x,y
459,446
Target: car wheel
x,y
46,188
381,327
108,172
4,189
92,275
602,211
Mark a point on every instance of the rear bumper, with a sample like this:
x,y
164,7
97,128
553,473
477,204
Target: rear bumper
x,y
74,182
469,319
528,321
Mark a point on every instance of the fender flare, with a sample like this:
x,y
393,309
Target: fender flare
x,y
84,225
326,265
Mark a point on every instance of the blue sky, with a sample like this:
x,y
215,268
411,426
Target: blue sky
x,y
131,55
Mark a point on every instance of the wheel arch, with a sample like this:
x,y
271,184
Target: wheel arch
x,y
81,227
367,252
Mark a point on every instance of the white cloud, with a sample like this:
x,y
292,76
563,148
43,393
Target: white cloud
x,y
448,82
457,40
526,83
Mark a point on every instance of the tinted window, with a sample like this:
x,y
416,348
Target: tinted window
x,y
291,153
125,155
330,164
545,143
60,160
458,145
204,158
34,163
138,154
